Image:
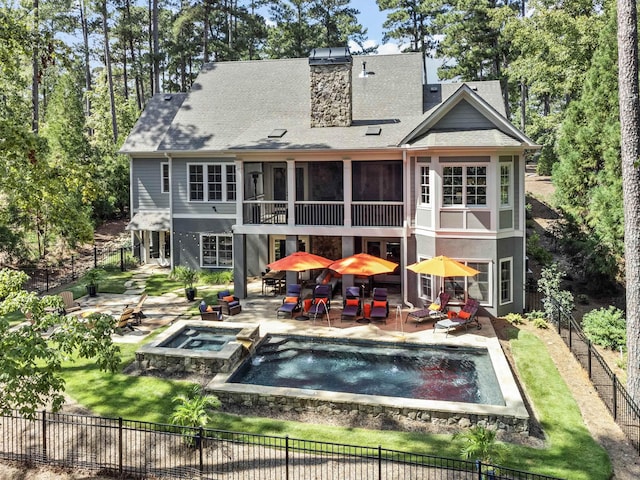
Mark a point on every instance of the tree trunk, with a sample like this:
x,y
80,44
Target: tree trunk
x,y
156,49
107,63
630,148
36,68
87,65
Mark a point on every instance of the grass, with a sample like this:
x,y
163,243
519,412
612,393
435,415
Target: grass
x,y
570,451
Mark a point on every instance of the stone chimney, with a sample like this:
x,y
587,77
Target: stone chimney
x,y
330,87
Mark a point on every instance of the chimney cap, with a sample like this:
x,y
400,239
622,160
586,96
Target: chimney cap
x,y
330,56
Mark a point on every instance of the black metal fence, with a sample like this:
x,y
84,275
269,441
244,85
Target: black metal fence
x,y
139,449
42,280
613,393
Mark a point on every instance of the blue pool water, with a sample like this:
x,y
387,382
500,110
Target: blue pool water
x,y
201,338
453,374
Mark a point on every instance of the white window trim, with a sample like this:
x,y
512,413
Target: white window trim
x,y
510,300
162,166
205,195
420,185
217,265
464,203
509,203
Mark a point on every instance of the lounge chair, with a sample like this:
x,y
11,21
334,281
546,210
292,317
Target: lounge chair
x,y
138,314
321,301
210,312
433,311
352,304
69,304
291,301
125,321
230,303
379,305
465,317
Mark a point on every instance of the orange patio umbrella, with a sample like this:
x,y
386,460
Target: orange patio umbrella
x,y
362,264
299,262
443,266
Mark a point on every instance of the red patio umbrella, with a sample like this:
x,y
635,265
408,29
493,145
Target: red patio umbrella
x,y
362,264
299,262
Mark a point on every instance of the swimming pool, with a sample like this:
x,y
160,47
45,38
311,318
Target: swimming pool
x,y
457,374
445,402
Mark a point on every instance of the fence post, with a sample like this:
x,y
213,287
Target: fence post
x,y
95,257
615,397
570,339
379,462
589,358
200,448
73,267
46,279
120,445
479,468
44,435
559,319
122,259
286,457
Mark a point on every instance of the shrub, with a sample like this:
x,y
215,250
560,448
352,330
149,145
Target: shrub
x,y
554,299
606,327
540,323
537,251
514,318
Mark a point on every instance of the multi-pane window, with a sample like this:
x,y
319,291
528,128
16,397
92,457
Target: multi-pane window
x,y
476,185
424,186
461,288
220,184
196,182
505,185
231,182
216,250
464,186
506,281
164,166
452,186
426,287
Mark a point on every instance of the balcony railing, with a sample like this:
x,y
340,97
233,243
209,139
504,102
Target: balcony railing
x,y
258,212
377,214
363,214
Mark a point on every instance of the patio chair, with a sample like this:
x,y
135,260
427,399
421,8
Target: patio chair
x,y
138,314
433,311
69,304
125,321
291,301
230,304
321,301
465,317
379,305
352,304
210,312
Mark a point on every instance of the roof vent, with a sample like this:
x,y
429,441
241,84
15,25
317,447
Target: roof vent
x,y
330,56
434,89
168,97
373,131
277,133
473,87
365,73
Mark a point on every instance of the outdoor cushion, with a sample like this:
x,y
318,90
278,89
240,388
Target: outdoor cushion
x,y
463,315
379,304
291,300
352,302
434,306
228,298
224,293
209,308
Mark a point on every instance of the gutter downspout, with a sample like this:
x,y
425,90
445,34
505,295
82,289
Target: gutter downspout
x,y
170,160
405,228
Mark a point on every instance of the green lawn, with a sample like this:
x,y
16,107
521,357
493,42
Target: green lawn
x,y
570,451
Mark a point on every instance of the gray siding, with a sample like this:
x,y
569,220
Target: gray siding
x,y
506,219
452,220
511,247
518,196
423,218
463,117
478,220
180,191
185,242
147,184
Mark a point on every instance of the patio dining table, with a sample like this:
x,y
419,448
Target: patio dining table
x,y
275,278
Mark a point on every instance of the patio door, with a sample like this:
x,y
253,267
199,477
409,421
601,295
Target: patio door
x,y
387,249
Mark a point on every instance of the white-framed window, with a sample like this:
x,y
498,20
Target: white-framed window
x,y
216,250
477,287
464,186
425,193
506,280
213,182
505,185
164,173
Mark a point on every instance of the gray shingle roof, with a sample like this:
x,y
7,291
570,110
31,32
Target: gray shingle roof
x,y
236,105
